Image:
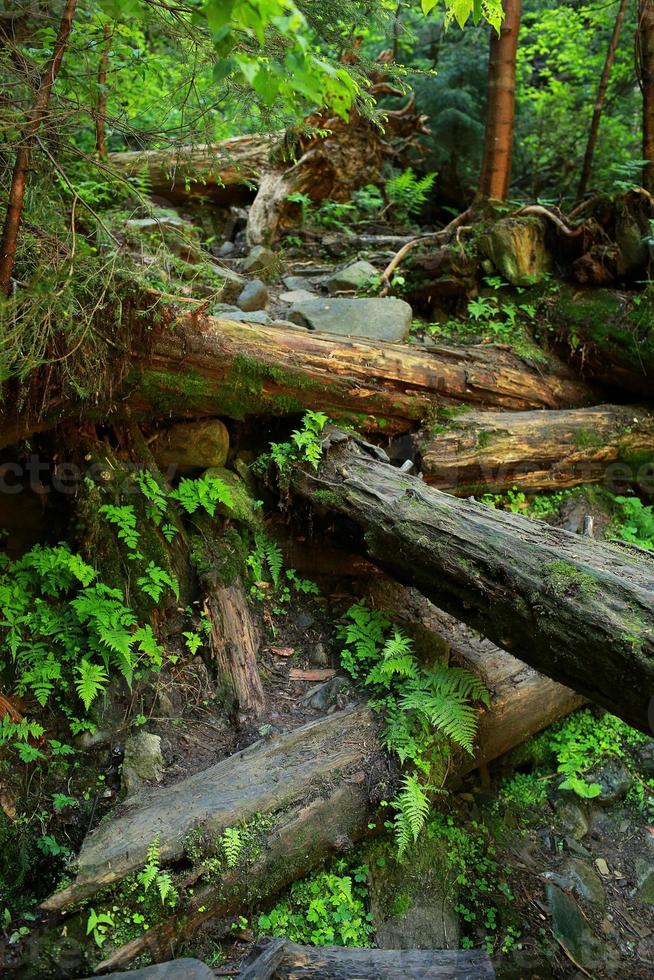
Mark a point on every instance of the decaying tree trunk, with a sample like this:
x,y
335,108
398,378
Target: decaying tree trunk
x,y
281,959
234,642
482,452
645,64
202,366
500,115
579,611
209,170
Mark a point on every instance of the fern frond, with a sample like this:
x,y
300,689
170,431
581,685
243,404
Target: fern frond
x,y
412,805
92,679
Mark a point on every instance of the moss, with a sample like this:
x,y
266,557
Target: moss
x,y
587,439
167,391
564,580
330,498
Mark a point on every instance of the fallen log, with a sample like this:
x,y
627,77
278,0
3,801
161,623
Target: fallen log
x,y
577,610
281,959
482,452
208,170
192,367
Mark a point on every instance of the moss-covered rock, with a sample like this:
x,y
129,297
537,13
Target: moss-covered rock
x,y
192,445
517,249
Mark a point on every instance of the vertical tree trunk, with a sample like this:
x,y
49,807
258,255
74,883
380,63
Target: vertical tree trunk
x,y
645,56
500,115
600,99
19,177
101,111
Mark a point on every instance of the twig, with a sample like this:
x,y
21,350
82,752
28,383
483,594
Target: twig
x,y
538,209
436,236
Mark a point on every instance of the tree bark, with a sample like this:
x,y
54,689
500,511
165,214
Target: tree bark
x,y
645,59
488,452
193,367
234,643
101,110
281,958
599,100
579,611
9,241
500,116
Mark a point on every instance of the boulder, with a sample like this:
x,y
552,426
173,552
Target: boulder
x,y
192,445
244,508
517,249
297,282
572,930
259,259
379,319
164,224
580,877
254,296
181,969
231,282
228,312
143,761
614,780
226,249
351,278
297,296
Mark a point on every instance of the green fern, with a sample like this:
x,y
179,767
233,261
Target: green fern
x,y
124,518
266,558
155,580
92,680
412,809
204,493
407,193
232,845
154,494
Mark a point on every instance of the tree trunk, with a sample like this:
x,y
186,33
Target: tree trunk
x,y
196,367
488,452
234,643
599,100
500,115
281,959
101,111
9,241
645,57
579,611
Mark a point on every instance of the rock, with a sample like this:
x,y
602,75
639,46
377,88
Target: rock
x,y
614,780
644,891
226,249
297,296
182,969
350,278
570,928
143,761
180,236
232,282
244,509
644,757
254,296
318,655
234,313
297,282
571,816
586,882
517,248
378,319
192,445
323,696
259,259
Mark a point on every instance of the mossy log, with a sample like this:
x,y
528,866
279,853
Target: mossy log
x,y
191,367
208,170
577,610
607,335
281,959
482,452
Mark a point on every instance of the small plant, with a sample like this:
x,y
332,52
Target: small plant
x,y
152,874
232,844
406,193
205,493
98,925
417,703
327,909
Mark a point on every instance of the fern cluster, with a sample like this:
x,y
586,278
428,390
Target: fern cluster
x,y
407,193
305,446
417,702
64,632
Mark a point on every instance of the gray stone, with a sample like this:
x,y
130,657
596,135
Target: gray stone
x,y
614,780
570,928
379,319
297,282
644,755
332,692
318,655
143,761
517,249
226,249
231,282
254,296
180,236
192,445
351,278
233,313
644,892
288,325
182,969
586,882
297,296
259,259
571,816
